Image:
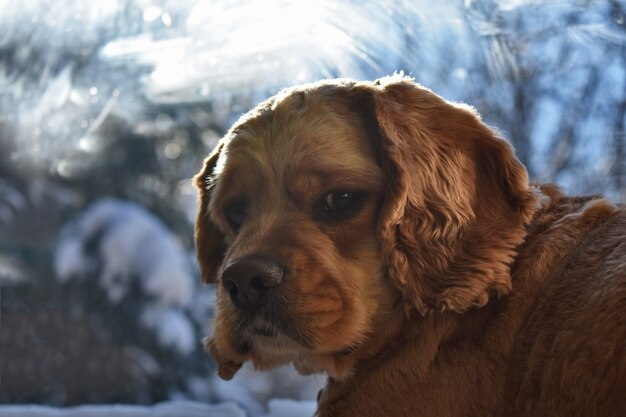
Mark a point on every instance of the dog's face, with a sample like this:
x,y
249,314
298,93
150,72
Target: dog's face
x,y
296,193
324,216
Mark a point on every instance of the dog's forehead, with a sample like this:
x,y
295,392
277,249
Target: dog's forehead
x,y
298,131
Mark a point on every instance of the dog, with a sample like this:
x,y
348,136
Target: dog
x,y
380,234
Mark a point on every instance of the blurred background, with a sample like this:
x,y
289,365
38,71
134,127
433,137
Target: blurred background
x,y
107,109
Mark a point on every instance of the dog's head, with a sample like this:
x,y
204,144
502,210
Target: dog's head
x,y
333,208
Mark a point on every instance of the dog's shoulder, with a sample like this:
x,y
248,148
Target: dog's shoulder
x,y
569,357
567,233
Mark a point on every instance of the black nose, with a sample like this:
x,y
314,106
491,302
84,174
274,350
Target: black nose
x,y
249,279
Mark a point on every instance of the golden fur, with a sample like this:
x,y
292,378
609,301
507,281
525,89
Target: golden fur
x,y
454,288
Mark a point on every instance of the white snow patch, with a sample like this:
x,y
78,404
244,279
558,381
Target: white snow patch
x,y
134,245
255,390
69,260
169,409
291,408
277,408
172,327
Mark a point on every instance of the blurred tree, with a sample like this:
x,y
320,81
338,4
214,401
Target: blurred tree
x,y
554,82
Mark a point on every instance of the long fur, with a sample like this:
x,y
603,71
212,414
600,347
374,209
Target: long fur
x,y
456,289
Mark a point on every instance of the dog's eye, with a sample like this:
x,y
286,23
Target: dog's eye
x,y
341,202
236,214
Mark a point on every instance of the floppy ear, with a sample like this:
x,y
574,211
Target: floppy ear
x,y
210,245
457,203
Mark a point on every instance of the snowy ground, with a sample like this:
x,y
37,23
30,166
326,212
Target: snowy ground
x,y
277,408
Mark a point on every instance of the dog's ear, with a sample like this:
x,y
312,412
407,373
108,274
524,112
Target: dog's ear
x,y
210,245
457,202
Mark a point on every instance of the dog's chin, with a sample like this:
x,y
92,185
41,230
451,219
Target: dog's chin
x,y
269,344
279,347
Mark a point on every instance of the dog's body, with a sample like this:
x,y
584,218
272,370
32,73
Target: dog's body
x,y
379,234
555,346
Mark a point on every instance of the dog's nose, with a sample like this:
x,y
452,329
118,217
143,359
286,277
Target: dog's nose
x,y
249,279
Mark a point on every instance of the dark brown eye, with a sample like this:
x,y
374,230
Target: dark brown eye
x,y
236,214
340,203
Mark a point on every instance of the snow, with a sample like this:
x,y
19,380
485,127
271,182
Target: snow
x,y
172,327
133,246
290,408
277,408
255,390
169,409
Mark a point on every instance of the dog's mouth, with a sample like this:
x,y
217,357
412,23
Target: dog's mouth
x,y
259,330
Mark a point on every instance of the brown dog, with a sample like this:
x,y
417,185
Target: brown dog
x,y
382,235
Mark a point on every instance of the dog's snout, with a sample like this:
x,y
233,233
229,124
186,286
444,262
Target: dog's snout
x,y
249,279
